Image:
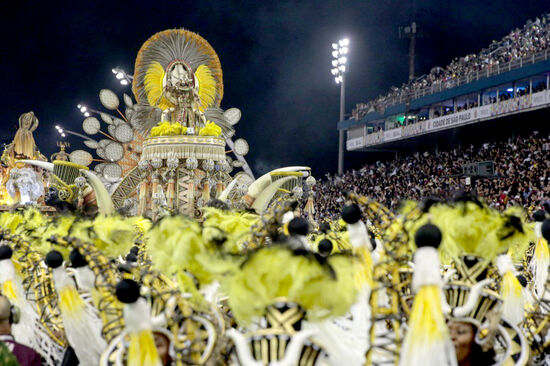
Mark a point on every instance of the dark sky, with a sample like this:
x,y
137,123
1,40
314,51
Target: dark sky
x,y
275,56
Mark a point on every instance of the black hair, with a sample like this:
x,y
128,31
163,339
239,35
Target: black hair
x,y
478,357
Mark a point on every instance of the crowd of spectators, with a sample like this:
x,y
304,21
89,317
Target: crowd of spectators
x,y
522,162
534,37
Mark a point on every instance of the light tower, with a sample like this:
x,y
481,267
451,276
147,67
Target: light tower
x,y
339,70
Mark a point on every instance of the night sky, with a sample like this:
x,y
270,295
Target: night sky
x,y
275,57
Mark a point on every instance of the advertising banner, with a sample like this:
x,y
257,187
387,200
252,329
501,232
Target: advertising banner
x,y
450,120
356,143
392,134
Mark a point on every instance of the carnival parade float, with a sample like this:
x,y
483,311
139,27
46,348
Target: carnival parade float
x,y
152,253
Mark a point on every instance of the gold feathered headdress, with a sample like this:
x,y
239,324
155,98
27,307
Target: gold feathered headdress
x,y
160,51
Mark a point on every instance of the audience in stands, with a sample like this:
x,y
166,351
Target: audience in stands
x,y
522,162
533,38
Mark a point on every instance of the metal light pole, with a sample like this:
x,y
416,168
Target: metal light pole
x,y
410,32
341,132
339,70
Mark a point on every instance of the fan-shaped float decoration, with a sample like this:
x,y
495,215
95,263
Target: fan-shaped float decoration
x,y
128,100
101,153
91,125
108,99
123,133
81,157
92,144
112,171
114,151
99,168
241,147
233,116
106,118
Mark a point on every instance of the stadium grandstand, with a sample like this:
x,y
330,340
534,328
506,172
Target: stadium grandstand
x,y
490,106
510,76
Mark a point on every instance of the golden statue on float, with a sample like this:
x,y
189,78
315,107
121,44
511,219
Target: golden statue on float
x,y
20,184
23,145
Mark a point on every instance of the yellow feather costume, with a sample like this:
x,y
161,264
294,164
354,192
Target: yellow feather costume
x,y
275,272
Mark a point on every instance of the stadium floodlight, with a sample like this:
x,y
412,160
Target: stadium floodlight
x,y
60,131
122,76
338,71
63,132
84,110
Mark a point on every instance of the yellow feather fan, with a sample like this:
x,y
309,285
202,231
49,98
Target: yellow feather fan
x,y
153,86
207,87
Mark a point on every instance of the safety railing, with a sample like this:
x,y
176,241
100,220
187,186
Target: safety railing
x,y
494,70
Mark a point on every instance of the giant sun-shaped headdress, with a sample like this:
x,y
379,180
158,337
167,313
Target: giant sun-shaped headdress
x,y
177,45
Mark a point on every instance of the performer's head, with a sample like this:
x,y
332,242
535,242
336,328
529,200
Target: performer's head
x,y
468,352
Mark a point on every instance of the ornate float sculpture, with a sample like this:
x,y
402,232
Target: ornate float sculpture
x,y
23,145
24,186
169,151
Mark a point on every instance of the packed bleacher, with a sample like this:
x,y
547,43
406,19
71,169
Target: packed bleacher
x,y
522,162
531,39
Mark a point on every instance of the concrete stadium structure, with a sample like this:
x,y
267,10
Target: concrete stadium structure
x,y
519,86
